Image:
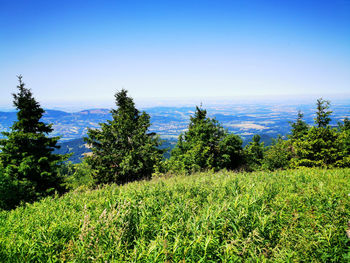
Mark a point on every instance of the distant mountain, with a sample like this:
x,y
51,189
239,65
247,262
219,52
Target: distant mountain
x,y
67,125
268,120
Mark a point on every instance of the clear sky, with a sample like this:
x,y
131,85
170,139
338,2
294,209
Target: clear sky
x,y
75,51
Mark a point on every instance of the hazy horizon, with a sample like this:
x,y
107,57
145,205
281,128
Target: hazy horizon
x,y
73,106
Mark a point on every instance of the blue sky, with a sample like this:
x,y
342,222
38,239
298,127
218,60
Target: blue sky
x,y
84,51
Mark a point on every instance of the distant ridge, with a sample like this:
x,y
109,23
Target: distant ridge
x,y
268,120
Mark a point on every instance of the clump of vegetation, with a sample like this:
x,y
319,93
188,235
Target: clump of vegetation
x,y
320,145
278,155
299,127
310,146
29,166
206,145
285,216
254,153
77,175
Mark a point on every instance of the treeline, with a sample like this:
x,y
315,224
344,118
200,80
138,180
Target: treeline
x,y
123,150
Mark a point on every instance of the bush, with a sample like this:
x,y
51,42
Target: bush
x,y
254,153
77,175
278,155
320,147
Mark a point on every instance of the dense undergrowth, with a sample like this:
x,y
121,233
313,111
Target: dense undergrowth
x,y
293,215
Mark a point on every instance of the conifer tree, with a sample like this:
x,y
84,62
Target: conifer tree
x,y
344,130
322,114
206,145
299,127
30,166
254,152
278,154
123,149
322,145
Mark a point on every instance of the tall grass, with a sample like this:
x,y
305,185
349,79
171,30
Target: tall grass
x,y
285,216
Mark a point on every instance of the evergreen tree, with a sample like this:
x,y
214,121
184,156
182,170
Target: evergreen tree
x,y
345,126
206,145
345,138
322,114
299,127
322,146
123,149
254,152
30,167
278,155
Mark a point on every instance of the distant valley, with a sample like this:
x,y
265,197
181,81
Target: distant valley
x,y
268,120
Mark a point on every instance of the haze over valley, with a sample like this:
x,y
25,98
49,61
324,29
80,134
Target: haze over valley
x,y
246,119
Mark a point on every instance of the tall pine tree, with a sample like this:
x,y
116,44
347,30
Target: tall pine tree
x,y
30,166
123,149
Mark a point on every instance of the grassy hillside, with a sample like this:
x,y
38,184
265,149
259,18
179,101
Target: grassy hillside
x,y
296,215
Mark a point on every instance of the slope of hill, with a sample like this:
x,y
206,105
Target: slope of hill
x,y
76,147
285,216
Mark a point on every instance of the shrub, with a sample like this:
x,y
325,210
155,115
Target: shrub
x,y
278,155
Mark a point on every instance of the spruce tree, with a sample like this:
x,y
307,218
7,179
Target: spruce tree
x,y
254,153
206,145
123,148
322,114
299,127
278,154
344,130
322,145
30,166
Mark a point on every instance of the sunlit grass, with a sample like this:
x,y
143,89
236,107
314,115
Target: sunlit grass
x,y
295,215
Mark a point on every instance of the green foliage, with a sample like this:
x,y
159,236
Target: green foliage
x,y
8,191
284,216
345,146
254,153
299,127
322,114
30,167
206,145
320,147
123,150
77,175
345,126
278,155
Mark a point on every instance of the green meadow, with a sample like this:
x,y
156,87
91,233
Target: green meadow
x,y
282,216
